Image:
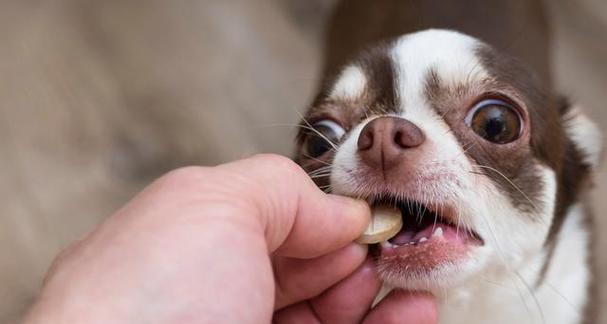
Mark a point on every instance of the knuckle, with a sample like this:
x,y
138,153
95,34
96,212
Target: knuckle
x,y
61,260
183,177
186,172
279,163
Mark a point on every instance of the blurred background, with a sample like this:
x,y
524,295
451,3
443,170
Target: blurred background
x,y
97,98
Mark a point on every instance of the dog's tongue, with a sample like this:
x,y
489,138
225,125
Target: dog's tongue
x,y
447,232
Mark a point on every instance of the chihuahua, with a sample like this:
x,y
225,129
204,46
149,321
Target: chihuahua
x,y
489,168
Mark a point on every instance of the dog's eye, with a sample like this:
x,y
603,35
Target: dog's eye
x,y
495,120
319,140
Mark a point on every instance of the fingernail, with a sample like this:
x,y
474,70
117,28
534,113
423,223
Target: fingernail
x,y
359,251
363,247
356,207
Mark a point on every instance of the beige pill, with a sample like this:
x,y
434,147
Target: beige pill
x,y
385,223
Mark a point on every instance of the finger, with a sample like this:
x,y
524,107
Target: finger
x,y
321,228
301,313
298,219
403,307
299,279
349,301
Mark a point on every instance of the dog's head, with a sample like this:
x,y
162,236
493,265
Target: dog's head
x,y
479,157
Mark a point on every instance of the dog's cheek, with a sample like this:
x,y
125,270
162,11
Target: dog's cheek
x,y
513,234
344,163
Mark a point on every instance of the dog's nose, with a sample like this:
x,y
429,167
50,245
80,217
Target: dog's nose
x,y
384,139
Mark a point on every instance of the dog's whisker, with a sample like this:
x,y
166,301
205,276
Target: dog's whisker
x,y
319,171
322,169
310,127
509,181
320,176
504,260
327,188
566,300
330,164
532,294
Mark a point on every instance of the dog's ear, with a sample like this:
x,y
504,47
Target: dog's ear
x,y
582,155
583,134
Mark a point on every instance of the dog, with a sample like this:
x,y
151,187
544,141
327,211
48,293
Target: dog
x,y
489,167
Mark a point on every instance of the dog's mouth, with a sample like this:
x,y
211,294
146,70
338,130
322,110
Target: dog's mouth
x,y
431,237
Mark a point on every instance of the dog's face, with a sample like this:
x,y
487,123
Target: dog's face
x,y
463,141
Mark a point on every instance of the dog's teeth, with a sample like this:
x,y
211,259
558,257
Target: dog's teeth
x,y
438,232
386,245
423,239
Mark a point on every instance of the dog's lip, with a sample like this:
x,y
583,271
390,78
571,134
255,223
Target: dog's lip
x,y
423,258
432,243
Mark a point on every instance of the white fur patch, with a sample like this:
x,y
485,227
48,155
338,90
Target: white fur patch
x,y
416,54
586,136
351,83
564,292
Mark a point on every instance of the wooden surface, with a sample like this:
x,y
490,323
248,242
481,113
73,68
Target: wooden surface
x,y
99,97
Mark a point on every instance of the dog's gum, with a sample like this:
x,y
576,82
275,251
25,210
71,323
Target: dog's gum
x,y
385,223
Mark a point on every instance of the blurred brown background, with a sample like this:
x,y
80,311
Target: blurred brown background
x,y
99,97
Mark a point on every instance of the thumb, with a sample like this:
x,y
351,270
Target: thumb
x,y
298,219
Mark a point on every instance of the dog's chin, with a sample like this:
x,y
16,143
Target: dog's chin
x,y
432,252
435,267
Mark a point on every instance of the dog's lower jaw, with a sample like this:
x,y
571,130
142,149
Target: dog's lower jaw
x,y
525,295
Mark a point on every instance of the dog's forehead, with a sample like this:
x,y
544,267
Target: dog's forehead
x,y
450,55
401,69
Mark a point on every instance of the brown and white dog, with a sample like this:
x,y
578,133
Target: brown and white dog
x,y
488,167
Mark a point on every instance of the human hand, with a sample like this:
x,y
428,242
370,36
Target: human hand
x,y
251,241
